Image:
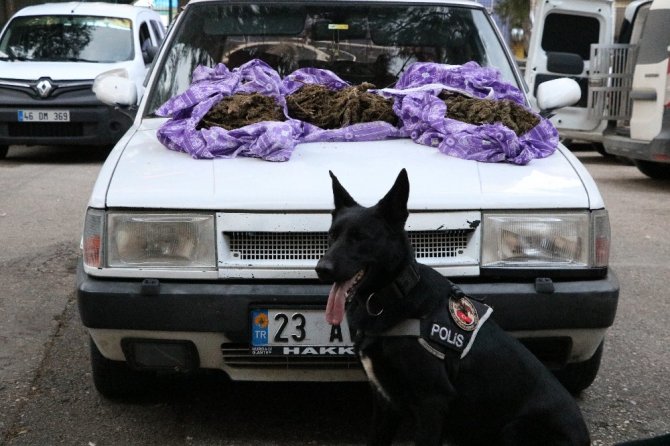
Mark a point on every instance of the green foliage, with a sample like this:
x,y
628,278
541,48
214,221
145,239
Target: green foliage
x,y
514,12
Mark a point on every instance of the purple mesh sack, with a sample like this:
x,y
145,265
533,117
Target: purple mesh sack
x,y
423,115
421,112
269,140
368,131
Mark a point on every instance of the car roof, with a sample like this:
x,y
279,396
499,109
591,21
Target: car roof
x,y
427,2
100,9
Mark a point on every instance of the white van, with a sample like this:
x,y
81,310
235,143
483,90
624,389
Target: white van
x,y
643,133
46,95
625,105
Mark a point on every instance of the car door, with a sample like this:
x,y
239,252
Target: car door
x,y
560,46
651,80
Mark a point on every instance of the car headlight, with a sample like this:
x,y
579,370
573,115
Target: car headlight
x,y
546,240
149,240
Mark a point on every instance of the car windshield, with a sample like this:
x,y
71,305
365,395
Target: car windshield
x,y
68,38
360,44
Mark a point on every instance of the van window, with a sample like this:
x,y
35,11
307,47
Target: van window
x,y
656,37
570,33
145,36
630,32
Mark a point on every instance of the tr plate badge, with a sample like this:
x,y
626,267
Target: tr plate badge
x,y
464,313
259,327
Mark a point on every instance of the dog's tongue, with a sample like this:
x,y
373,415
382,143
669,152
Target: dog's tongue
x,y
336,301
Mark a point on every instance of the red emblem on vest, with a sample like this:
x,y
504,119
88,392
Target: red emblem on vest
x,y
463,313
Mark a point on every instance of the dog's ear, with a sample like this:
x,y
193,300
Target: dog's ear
x,y
340,194
394,204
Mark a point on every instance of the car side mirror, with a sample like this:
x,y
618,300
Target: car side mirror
x,y
112,88
557,93
149,53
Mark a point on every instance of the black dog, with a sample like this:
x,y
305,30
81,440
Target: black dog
x,y
472,384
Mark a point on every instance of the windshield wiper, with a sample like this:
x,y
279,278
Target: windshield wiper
x,y
80,59
5,56
10,55
13,58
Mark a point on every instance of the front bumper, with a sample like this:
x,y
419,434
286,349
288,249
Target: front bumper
x,y
91,122
215,317
94,125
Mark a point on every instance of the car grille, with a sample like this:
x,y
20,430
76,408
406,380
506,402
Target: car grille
x,y
310,246
289,245
277,245
238,355
45,129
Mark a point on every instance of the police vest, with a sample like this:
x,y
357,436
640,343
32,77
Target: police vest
x,y
453,325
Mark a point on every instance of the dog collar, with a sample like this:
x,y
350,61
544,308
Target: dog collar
x,y
399,289
403,284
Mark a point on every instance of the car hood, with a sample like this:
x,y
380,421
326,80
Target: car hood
x,y
29,70
144,174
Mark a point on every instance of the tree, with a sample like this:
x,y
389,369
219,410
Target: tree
x,y
514,12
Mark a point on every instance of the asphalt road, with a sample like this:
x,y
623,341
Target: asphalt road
x,y
46,393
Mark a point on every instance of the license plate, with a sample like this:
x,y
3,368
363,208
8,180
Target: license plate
x,y
44,116
283,332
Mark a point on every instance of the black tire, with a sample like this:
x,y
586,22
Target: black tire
x,y
3,152
658,171
578,376
115,379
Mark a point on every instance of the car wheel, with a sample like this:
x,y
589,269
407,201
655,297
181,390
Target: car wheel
x,y
115,379
579,375
659,171
3,152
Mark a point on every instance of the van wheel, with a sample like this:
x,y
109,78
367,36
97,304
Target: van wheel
x,y
115,379
3,152
579,375
659,171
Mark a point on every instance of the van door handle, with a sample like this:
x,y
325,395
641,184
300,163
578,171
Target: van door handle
x,y
643,94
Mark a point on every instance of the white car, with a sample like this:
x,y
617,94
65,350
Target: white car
x,y
191,263
50,55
